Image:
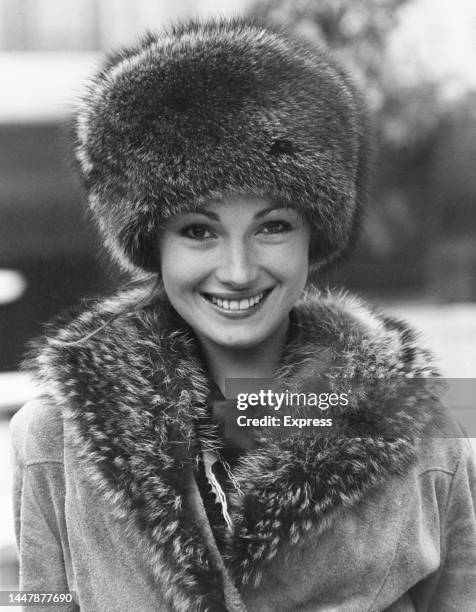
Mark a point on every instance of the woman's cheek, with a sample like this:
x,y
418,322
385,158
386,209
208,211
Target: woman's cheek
x,y
175,266
290,258
185,267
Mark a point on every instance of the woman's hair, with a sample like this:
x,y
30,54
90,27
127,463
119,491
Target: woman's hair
x,y
149,289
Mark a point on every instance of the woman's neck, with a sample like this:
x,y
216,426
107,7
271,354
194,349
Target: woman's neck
x,y
258,361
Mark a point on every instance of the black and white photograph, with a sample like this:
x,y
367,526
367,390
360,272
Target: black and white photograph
x,y
238,305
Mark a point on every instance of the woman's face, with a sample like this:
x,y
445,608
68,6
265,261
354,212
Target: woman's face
x,y
235,269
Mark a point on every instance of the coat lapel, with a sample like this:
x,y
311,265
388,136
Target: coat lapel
x,y
294,483
132,395
134,390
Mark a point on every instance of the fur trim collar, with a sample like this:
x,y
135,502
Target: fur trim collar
x,y
135,390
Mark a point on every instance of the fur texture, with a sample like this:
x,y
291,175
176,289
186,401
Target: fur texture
x,y
136,390
213,110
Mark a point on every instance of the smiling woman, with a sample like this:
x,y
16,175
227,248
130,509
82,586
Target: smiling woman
x,y
233,271
225,164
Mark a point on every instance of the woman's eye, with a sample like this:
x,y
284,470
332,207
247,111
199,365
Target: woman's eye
x,y
276,227
196,232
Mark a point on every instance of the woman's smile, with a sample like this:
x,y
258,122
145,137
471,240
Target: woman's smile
x,y
230,305
234,269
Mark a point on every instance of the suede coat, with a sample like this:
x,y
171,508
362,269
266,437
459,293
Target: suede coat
x,y
373,513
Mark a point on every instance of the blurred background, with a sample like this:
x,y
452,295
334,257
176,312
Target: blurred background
x,y
415,62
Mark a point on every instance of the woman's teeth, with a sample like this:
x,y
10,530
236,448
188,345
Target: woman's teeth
x,y
237,304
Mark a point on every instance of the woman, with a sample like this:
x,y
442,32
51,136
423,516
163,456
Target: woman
x,y
229,162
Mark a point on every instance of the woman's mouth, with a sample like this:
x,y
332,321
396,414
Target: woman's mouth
x,y
237,305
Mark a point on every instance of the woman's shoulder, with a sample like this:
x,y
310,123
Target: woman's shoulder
x,y
446,455
36,432
351,318
364,340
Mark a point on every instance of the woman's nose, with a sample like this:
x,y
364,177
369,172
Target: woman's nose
x,y
238,265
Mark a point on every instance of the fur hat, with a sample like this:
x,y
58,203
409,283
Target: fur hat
x,y
214,110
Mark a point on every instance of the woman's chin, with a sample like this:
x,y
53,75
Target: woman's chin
x,y
241,337
236,341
